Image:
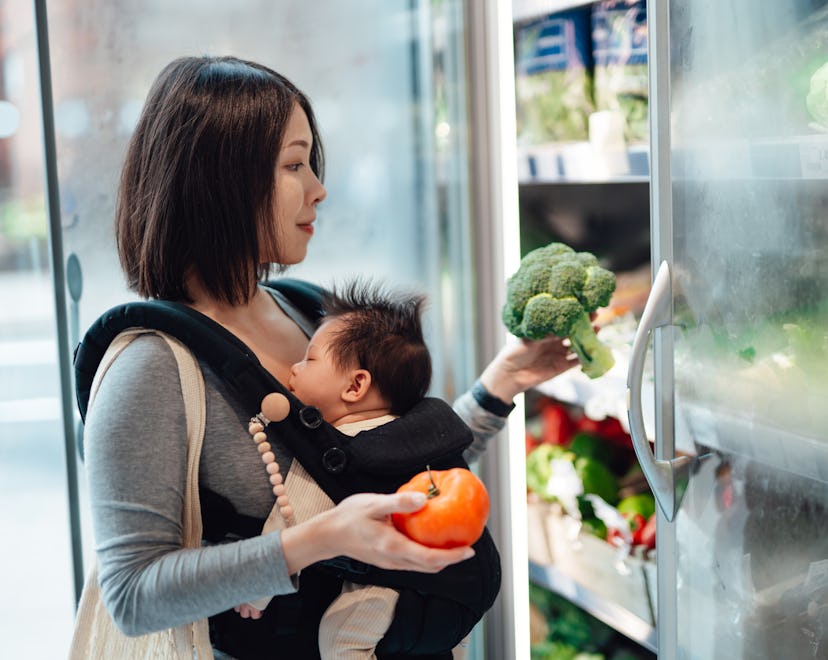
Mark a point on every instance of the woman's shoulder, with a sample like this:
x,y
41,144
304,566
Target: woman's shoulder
x,y
147,361
142,380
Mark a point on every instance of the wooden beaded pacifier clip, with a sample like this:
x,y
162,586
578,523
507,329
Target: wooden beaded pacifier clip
x,y
275,408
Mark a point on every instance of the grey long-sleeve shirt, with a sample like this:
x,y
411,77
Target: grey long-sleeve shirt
x,y
135,458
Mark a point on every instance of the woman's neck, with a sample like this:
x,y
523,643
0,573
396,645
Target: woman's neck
x,y
260,323
204,301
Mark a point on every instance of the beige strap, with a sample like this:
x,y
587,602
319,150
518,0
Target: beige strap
x,y
94,631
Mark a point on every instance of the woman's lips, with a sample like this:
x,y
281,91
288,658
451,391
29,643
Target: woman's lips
x,y
308,228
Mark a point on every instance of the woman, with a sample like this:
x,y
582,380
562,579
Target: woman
x,y
221,181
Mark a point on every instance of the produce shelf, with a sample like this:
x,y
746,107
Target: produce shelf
x,y
801,157
612,614
580,162
777,447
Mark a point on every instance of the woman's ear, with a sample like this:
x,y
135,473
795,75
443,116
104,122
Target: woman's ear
x,y
358,386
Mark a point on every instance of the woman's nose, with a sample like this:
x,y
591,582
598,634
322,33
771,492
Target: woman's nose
x,y
319,193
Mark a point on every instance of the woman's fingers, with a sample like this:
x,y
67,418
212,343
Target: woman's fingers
x,y
399,503
247,611
360,527
371,537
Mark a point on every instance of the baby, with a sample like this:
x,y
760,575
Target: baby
x,y
365,365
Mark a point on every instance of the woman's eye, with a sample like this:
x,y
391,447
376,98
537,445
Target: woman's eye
x,y
295,167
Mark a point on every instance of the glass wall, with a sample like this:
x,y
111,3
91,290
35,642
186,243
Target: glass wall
x,y
387,80
36,582
374,77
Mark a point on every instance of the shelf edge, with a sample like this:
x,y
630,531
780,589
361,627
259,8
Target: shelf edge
x,y
615,616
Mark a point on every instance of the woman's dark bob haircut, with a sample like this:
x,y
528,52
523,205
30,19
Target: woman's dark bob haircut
x,y
196,191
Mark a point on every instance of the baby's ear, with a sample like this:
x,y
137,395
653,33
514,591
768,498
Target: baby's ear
x,y
358,386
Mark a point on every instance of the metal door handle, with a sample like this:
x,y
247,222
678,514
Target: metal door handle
x,y
664,476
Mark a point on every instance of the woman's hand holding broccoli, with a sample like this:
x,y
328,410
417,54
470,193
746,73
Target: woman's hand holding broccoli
x,y
523,364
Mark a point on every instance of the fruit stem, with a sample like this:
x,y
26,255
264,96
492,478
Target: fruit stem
x,y
433,491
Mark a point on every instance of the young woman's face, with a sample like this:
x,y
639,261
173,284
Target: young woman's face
x,y
297,191
316,380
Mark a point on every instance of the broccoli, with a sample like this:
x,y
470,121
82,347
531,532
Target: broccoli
x,y
553,292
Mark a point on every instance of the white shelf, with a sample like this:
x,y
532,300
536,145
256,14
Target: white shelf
x,y
802,157
581,162
588,181
777,447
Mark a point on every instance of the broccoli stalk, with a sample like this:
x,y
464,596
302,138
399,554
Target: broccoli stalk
x,y
553,292
596,359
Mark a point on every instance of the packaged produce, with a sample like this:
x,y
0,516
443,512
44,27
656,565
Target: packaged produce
x,y
553,78
619,52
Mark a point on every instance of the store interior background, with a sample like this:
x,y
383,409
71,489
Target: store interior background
x,y
439,178
389,82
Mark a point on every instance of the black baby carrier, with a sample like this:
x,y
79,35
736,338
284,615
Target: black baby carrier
x,y
434,612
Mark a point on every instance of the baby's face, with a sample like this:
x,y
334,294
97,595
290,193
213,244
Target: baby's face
x,y
316,380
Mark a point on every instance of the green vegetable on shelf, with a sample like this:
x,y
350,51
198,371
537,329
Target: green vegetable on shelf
x,y
591,445
550,650
597,479
593,475
572,633
553,292
539,467
748,354
590,523
817,99
641,503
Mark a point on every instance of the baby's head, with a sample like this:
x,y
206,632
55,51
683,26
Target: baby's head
x,y
369,354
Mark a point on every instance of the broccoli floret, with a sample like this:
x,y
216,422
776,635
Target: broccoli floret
x,y
598,288
545,314
553,292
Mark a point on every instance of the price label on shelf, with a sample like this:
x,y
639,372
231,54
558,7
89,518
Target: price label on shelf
x,y
813,157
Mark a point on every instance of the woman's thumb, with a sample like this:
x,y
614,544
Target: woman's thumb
x,y
407,502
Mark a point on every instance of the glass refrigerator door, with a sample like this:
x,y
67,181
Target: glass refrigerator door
x,y
739,317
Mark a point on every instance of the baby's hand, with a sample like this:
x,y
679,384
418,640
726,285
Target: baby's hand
x,y
247,611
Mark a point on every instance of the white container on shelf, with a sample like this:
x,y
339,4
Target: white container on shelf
x,y
609,148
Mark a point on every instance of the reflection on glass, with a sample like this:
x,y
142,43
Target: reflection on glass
x,y
750,160
751,204
380,76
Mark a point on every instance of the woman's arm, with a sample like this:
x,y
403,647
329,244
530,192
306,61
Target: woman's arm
x,y
520,365
135,459
360,527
